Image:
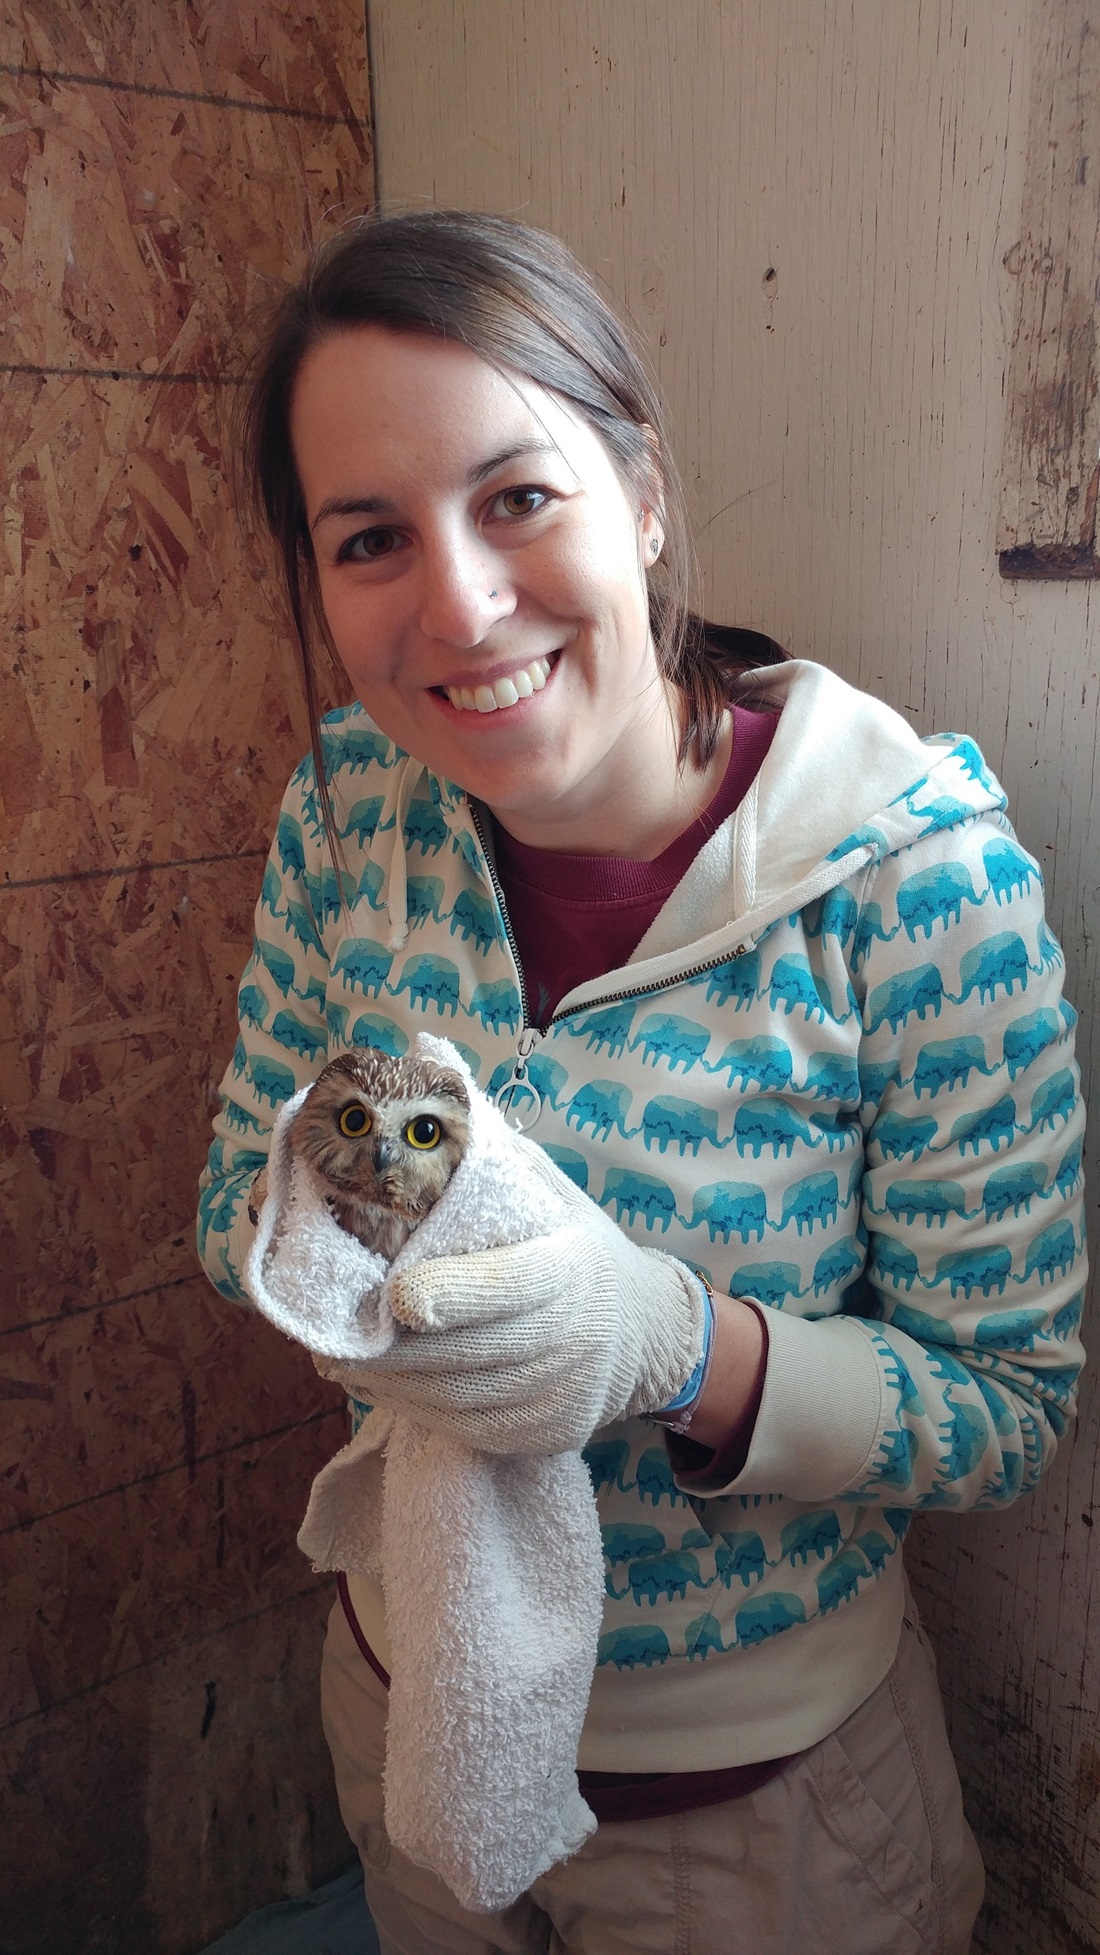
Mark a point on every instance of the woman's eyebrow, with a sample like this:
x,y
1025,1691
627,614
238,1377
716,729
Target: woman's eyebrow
x,y
482,470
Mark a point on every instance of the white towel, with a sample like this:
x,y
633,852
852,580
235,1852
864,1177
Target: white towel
x,y
491,1567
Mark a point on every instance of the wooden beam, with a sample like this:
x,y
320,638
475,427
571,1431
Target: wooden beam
x,y
1051,468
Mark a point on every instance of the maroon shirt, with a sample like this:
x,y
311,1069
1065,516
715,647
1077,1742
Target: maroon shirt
x,y
576,916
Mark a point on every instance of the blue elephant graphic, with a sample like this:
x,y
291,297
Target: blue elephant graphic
x,y
964,1438
768,1283
933,1201
701,1636
943,812
476,916
608,1027
763,1123
369,886
363,964
252,1006
1010,1330
1008,869
271,1080
239,1058
601,1105
892,1262
425,828
429,980
992,1124
973,760
626,1648
1068,1172
539,1074
833,1076
472,1058
870,929
664,1036
423,896
238,1117
680,1123
835,1265
919,991
290,1030
814,1199
999,961
497,1004
1055,1100
653,1478
736,982
740,1557
837,915
975,1269
280,964
288,841
357,748
639,1194
1065,1321
897,1454
605,1460
840,1580
1049,949
302,924
667,1575
875,1078
1013,1187
816,1533
327,893
918,1324
899,1137
764,1062
217,1207
626,1541
570,1163
1052,1253
794,984
875,1549
934,896
947,1063
1026,1037
363,817
336,1021
865,837
762,1616
1004,1419
731,1208
381,1033
898,1374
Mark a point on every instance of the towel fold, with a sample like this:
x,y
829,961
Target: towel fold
x,y
491,1567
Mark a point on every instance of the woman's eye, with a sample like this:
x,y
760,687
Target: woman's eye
x,y
353,1121
368,546
521,502
424,1132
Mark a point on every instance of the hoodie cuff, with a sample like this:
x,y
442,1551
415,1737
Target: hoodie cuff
x,y
819,1420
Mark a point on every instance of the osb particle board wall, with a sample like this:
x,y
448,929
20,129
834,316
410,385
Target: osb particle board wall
x,y
162,165
808,207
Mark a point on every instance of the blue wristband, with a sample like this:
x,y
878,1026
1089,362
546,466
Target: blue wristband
x,y
690,1392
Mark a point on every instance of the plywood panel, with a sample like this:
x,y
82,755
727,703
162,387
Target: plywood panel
x,y
123,989
96,1590
811,211
212,1793
141,1388
273,54
126,239
154,697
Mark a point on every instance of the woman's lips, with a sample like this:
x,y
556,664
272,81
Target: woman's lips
x,y
503,692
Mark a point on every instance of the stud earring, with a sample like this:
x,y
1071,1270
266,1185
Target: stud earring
x,y
492,593
655,546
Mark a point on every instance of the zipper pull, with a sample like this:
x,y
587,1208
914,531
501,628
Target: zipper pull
x,y
519,1098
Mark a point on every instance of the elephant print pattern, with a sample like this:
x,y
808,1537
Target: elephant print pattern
x,y
868,1108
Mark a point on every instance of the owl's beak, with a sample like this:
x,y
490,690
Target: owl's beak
x,y
385,1155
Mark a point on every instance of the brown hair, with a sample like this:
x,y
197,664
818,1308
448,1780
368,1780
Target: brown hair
x,y
519,299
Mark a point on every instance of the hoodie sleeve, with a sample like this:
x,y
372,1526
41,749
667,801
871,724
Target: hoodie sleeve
x,y
951,1373
283,1038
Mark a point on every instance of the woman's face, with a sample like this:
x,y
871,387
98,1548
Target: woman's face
x,y
480,567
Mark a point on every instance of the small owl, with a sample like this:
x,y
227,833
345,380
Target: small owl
x,y
386,1135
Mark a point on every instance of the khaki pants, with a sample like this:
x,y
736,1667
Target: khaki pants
x,y
858,1848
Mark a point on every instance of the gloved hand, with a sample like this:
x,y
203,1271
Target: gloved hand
x,y
531,1347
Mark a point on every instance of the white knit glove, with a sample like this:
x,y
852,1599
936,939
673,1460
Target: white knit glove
x,y
530,1348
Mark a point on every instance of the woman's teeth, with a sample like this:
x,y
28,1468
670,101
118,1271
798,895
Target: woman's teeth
x,y
504,692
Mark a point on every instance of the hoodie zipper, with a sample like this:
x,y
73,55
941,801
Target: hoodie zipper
x,y
531,1035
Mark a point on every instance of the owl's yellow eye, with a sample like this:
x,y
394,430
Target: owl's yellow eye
x,y
424,1132
353,1120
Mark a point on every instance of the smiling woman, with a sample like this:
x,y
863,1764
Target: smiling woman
x,y
687,910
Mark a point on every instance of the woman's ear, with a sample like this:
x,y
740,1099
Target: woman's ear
x,y
652,509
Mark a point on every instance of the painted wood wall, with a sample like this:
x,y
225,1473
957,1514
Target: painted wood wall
x,y
164,162
808,208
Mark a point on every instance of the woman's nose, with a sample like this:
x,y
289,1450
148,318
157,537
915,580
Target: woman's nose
x,y
464,592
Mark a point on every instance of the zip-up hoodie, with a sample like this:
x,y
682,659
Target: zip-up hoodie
x,y
835,1076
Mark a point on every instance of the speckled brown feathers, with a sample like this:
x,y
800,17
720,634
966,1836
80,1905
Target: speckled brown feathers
x,y
385,1135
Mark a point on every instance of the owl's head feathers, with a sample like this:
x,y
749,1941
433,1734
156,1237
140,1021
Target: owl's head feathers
x,y
385,1134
